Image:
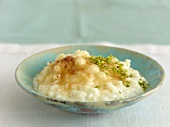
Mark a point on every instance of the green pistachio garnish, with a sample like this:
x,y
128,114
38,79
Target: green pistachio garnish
x,y
143,84
131,75
127,84
113,68
97,87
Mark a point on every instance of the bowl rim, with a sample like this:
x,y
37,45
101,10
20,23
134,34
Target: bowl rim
x,y
133,98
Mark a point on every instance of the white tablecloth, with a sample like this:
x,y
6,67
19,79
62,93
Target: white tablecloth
x,y
18,109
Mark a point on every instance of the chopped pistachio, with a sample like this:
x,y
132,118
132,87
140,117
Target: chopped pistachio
x,y
127,85
143,84
97,87
114,68
131,75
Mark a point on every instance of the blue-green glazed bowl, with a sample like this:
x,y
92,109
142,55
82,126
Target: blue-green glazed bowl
x,y
148,67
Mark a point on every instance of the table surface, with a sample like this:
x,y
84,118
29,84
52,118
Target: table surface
x,y
68,21
19,109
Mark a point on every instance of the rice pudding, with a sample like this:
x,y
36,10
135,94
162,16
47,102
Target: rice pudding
x,y
85,78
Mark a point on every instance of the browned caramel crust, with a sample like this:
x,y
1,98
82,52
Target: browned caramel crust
x,y
69,69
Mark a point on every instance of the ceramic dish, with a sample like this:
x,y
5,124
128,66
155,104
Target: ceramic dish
x,y
148,67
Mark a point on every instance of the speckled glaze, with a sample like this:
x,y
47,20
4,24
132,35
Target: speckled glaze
x,y
148,67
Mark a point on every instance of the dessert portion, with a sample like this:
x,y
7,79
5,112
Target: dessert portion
x,y
85,78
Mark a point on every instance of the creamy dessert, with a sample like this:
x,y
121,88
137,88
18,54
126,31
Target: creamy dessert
x,y
85,78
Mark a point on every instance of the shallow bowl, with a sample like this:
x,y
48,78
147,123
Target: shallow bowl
x,y
148,67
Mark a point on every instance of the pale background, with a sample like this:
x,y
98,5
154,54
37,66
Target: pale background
x,y
75,21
